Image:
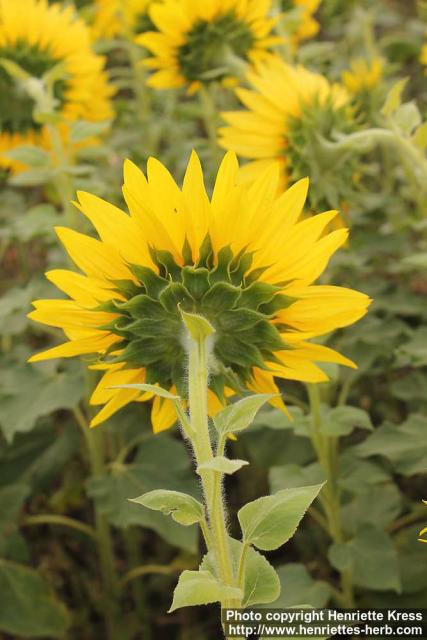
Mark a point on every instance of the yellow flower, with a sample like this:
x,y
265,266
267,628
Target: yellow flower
x,y
277,106
118,17
306,26
38,37
200,42
363,75
241,259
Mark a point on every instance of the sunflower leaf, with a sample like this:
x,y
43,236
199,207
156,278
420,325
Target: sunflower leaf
x,y
183,508
269,522
239,415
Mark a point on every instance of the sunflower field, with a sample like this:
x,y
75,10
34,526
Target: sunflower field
x,y
213,307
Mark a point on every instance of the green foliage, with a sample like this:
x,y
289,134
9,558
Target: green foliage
x,y
372,559
271,521
239,415
28,607
200,587
404,445
298,586
183,508
369,445
221,464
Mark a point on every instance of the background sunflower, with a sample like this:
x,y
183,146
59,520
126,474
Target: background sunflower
x,y
40,39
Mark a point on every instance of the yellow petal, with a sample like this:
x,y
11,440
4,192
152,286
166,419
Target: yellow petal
x,y
163,414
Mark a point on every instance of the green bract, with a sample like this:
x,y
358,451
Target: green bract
x,y
225,292
209,44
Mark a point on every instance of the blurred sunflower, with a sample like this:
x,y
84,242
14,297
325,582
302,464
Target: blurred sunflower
x,y
299,16
241,259
118,17
288,107
36,38
200,42
363,75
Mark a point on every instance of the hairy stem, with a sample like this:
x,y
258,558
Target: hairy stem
x,y
218,536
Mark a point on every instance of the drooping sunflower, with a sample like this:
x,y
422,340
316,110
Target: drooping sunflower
x,y
288,107
200,42
38,37
241,259
118,17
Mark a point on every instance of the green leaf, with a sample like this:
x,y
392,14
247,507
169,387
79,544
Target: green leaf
x,y
269,522
293,475
239,415
372,559
43,394
221,464
14,70
198,327
298,586
28,154
359,476
150,388
182,507
394,98
379,505
81,130
407,117
341,421
161,463
200,587
32,178
420,140
404,445
28,608
261,582
11,500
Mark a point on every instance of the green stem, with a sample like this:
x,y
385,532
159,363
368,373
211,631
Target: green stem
x,y
63,521
411,157
133,545
63,181
242,565
111,592
327,453
197,389
209,115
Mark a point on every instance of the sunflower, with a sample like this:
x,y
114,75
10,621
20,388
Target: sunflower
x,y
38,37
363,75
200,42
241,259
299,14
287,108
118,17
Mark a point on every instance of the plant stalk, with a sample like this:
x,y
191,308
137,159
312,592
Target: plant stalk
x,y
211,481
327,453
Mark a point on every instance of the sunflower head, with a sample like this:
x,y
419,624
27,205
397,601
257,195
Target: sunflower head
x,y
208,42
121,17
36,40
363,75
240,259
299,20
289,111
